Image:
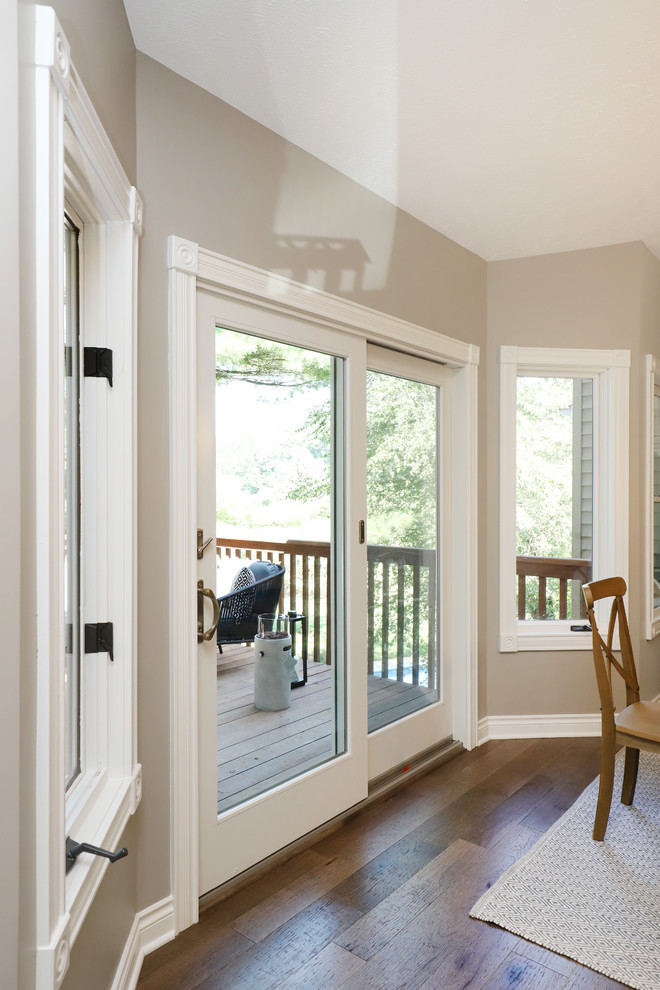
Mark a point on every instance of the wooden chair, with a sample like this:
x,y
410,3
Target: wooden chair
x,y
638,725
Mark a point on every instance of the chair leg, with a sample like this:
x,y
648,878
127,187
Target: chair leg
x,y
629,775
605,789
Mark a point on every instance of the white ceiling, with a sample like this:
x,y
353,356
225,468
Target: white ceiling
x,y
515,127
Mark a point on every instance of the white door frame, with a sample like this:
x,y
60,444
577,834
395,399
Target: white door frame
x,y
190,266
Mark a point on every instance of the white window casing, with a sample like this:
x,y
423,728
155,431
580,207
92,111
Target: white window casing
x,y
610,370
75,161
651,385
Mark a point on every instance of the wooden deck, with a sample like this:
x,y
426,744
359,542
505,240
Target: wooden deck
x,y
258,750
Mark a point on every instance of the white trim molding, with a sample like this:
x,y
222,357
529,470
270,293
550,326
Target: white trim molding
x,y
610,370
538,726
651,383
151,928
190,267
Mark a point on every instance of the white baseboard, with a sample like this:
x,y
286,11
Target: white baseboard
x,y
151,928
537,726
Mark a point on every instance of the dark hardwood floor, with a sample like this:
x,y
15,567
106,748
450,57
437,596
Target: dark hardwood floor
x,y
382,903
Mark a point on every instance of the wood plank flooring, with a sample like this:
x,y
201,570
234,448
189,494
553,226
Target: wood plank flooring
x,y
382,903
258,750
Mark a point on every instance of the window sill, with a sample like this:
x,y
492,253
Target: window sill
x,y
535,636
103,826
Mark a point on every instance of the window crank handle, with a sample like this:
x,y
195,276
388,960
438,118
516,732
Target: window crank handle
x,y
73,850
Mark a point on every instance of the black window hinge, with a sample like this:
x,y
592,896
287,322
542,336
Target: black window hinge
x,y
99,638
98,363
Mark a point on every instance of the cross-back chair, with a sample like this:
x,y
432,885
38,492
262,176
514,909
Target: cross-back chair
x,y
638,725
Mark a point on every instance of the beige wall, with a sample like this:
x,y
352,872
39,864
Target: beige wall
x,y
103,53
590,298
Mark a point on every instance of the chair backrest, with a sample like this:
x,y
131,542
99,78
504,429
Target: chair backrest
x,y
604,659
267,592
240,609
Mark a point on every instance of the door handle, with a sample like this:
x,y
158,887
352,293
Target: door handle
x,y
202,593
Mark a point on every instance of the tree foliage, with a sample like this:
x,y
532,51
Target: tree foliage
x,y
544,467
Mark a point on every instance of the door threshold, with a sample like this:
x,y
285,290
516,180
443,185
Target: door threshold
x,y
379,790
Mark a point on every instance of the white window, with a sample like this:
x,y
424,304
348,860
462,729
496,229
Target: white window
x,y
652,556
563,489
88,222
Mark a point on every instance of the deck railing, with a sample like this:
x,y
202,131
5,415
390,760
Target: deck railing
x,y
404,616
401,598
544,568
401,594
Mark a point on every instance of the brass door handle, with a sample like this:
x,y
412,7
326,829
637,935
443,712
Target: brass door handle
x,y
202,593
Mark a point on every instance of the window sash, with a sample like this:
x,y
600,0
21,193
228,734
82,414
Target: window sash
x,y
610,372
651,544
73,158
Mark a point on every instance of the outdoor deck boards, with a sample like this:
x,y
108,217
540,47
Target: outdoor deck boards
x,y
260,749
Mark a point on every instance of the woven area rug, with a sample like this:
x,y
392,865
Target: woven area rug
x,y
595,902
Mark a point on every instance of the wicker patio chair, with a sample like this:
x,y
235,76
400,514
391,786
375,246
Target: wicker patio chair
x,y
240,609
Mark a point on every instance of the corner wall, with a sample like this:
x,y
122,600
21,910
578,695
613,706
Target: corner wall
x,y
598,298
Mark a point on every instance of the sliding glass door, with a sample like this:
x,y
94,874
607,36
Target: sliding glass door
x,y
408,445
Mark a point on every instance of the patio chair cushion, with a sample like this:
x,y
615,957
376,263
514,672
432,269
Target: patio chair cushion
x,y
241,606
263,568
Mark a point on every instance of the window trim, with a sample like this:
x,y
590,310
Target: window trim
x,y
610,370
652,384
74,157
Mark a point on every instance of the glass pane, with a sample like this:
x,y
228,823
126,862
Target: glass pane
x,y
554,496
71,507
279,432
656,445
402,501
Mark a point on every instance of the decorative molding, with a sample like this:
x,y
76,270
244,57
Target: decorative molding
x,y
52,961
136,790
508,355
136,211
182,256
52,49
219,272
151,928
538,726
